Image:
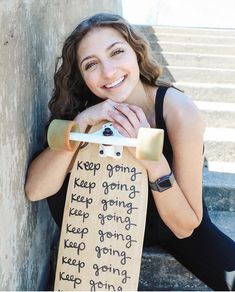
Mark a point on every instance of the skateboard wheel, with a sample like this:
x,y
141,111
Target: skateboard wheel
x,y
58,135
149,144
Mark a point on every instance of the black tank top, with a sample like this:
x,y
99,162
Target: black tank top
x,y
156,231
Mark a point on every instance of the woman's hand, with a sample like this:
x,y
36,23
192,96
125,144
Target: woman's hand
x,y
95,114
128,119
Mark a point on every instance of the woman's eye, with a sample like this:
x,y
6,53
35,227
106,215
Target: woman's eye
x,y
117,52
89,65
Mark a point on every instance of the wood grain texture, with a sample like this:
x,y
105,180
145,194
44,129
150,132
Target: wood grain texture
x,y
103,226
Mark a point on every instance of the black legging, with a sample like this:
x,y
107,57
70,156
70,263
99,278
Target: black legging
x,y
208,253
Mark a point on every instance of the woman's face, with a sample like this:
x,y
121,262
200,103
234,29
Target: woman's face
x,y
108,64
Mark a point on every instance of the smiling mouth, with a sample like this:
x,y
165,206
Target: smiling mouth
x,y
115,83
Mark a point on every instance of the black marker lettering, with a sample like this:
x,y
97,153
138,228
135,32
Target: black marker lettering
x,y
117,219
133,192
110,269
120,187
73,262
117,203
105,286
118,236
121,255
76,230
76,212
71,278
71,244
114,186
124,169
84,184
88,166
81,199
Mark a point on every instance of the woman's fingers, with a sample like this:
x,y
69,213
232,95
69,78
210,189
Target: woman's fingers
x,y
140,115
129,114
122,121
121,130
124,133
129,118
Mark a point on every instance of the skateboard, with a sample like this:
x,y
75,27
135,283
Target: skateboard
x,y
103,226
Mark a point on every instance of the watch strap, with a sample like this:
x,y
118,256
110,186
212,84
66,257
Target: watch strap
x,y
163,183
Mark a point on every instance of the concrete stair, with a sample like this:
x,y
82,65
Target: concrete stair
x,y
202,63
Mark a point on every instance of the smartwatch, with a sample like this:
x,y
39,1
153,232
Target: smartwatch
x,y
163,183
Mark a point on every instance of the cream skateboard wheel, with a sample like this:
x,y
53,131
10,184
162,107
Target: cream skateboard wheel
x,y
149,144
58,135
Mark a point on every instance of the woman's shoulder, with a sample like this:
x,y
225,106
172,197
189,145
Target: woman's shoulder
x,y
178,103
180,111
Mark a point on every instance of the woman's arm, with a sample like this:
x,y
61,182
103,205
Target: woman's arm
x,y
180,207
47,172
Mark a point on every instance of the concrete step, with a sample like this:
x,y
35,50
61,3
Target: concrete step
x,y
217,114
185,30
222,167
208,91
228,107
160,271
225,221
201,75
188,38
219,134
219,119
204,49
219,187
220,151
195,60
219,148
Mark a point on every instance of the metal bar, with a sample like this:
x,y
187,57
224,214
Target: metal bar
x,y
110,140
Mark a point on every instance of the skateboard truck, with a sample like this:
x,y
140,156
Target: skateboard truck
x,y
106,150
65,135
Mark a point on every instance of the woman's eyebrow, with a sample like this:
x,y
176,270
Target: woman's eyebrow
x,y
113,44
108,48
86,58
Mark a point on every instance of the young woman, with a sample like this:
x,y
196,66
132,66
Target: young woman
x,y
107,73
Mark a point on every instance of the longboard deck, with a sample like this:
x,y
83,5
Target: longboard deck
x,y
103,226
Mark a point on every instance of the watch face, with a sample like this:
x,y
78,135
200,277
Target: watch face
x,y
165,183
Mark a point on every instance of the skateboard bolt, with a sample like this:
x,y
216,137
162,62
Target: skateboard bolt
x,y
107,132
118,153
101,152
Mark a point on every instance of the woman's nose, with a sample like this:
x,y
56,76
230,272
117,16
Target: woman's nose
x,y
108,70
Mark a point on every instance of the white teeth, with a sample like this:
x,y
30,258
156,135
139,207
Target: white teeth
x,y
115,83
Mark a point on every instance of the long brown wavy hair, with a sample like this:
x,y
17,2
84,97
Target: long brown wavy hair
x,y
71,95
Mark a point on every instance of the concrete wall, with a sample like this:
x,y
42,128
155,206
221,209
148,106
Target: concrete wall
x,y
193,13
31,35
